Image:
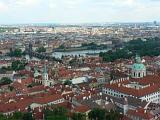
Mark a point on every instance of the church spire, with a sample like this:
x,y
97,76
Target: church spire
x,y
45,69
36,73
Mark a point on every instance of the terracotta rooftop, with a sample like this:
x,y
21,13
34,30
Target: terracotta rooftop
x,y
81,108
141,113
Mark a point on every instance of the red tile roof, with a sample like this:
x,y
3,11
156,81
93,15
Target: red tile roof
x,y
140,113
81,108
26,101
135,92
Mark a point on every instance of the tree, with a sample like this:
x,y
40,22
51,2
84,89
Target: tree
x,y
16,116
113,115
102,114
18,65
67,82
78,116
3,117
58,113
5,81
41,49
150,47
11,88
61,47
97,114
28,116
3,70
16,53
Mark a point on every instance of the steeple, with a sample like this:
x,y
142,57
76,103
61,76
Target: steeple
x,y
36,73
45,69
45,76
30,50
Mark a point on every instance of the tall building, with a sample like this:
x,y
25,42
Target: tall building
x,y
30,50
45,76
45,79
36,73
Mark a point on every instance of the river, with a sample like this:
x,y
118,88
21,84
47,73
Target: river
x,y
74,53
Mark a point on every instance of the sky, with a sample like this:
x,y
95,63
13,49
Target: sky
x,y
78,11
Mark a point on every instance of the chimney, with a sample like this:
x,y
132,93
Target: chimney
x,y
145,111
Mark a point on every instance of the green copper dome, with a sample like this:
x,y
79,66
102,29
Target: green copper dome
x,y
138,66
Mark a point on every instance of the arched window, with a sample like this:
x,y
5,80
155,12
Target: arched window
x,y
139,74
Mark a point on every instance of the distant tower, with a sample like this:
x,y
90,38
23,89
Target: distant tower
x,y
155,23
36,73
30,50
45,76
138,68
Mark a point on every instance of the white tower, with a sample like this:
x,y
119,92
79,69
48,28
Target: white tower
x,y
45,76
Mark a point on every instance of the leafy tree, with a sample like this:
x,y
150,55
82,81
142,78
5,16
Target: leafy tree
x,y
102,114
28,116
16,53
3,71
5,81
67,82
97,114
61,47
6,68
78,116
150,47
73,62
58,113
113,115
3,117
11,88
41,49
18,65
16,116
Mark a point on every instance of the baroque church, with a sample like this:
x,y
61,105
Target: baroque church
x,y
43,77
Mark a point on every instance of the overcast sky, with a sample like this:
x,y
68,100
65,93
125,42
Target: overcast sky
x,y
78,11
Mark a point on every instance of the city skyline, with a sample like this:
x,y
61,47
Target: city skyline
x,y
78,11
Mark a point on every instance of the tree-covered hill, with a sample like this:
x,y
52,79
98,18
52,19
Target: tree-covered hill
x,y
147,47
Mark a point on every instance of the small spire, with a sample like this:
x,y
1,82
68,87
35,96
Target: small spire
x,y
35,68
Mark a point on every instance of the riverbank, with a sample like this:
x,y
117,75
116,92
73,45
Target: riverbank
x,y
77,53
78,49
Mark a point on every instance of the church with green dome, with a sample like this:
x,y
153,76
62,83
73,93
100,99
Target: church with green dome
x,y
138,68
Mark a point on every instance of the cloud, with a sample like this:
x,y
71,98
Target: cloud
x,y
3,7
27,2
78,10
